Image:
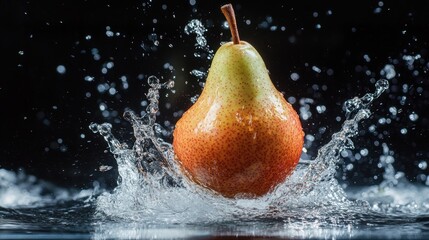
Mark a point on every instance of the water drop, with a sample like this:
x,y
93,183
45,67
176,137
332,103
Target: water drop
x,y
169,84
225,25
377,10
409,59
413,116
124,82
110,65
388,71
393,110
199,74
153,81
294,76
309,137
89,78
102,106
316,69
367,58
112,91
423,165
61,69
93,127
321,108
195,98
364,152
109,33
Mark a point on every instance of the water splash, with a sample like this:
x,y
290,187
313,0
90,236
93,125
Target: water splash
x,y
203,50
152,187
196,27
19,190
356,104
409,60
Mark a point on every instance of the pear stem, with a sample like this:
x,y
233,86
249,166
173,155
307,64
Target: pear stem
x,y
228,11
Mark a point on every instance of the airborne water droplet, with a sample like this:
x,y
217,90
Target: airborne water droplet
x,y
413,116
388,71
61,69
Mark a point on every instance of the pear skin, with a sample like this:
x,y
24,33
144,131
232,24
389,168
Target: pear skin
x,y
241,137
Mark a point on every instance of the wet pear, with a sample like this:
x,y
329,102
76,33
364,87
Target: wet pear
x,y
240,138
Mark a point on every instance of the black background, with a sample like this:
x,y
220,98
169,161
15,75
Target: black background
x,y
39,106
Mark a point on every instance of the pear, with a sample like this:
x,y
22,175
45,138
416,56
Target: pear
x,y
241,138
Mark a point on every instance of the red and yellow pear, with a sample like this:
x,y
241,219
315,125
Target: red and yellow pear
x,y
241,137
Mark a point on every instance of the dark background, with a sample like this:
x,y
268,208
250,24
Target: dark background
x,y
45,115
